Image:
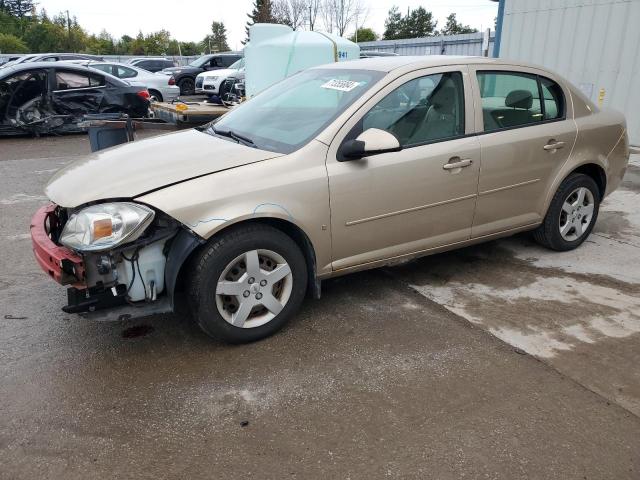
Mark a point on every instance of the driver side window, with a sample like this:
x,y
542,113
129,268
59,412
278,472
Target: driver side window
x,y
423,110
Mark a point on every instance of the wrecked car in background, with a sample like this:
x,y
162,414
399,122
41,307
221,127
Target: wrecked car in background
x,y
54,97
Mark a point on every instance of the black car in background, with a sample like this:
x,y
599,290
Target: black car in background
x,y
152,64
45,97
186,76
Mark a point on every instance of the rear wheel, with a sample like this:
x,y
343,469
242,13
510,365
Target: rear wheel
x,y
247,284
187,86
155,96
572,214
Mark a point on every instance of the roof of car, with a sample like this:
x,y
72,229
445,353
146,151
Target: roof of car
x,y
68,65
387,64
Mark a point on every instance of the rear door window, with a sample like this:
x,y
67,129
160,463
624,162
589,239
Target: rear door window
x,y
125,72
518,99
69,80
553,99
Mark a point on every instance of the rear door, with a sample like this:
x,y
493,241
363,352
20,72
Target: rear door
x,y
526,134
77,92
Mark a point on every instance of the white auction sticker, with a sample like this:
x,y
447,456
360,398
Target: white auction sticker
x,y
341,85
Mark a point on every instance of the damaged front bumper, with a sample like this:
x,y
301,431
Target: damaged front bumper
x,y
136,280
60,263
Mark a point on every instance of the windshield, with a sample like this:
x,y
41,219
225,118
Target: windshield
x,y
237,65
198,62
289,114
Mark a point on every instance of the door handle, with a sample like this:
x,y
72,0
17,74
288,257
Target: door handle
x,y
457,162
553,145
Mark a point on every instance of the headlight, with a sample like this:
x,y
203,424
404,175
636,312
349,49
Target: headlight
x,y
211,79
104,226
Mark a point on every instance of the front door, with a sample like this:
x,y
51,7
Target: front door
x,y
421,197
526,136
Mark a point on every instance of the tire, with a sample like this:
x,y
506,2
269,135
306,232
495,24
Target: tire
x,y
187,86
227,262
564,214
156,96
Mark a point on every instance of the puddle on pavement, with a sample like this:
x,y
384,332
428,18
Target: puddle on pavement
x,y
137,331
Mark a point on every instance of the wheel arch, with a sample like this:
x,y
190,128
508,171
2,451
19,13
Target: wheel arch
x,y
596,172
157,92
187,246
593,169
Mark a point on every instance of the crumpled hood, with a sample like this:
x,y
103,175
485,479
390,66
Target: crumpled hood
x,y
129,170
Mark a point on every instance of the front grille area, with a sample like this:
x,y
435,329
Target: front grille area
x,y
199,81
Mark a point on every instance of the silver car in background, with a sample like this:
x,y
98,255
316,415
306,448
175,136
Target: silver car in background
x,y
162,88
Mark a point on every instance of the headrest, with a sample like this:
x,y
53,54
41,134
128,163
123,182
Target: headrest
x,y
443,98
519,99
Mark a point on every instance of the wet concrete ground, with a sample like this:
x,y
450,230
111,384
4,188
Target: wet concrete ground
x,y
377,379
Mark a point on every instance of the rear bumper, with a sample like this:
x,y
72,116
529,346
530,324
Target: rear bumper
x,y
60,263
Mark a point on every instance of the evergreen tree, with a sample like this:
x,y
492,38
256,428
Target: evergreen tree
x,y
393,25
216,41
18,8
415,24
452,27
262,13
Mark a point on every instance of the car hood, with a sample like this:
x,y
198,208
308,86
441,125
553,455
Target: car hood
x,y
184,69
129,170
218,73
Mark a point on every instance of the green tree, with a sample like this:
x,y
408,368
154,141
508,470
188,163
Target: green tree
x,y
157,43
416,23
124,45
9,24
138,45
262,13
452,27
190,48
12,44
364,35
216,41
101,44
46,37
18,8
393,24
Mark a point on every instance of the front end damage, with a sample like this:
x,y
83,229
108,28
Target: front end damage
x,y
132,280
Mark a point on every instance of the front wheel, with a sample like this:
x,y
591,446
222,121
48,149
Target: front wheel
x,y
247,284
572,214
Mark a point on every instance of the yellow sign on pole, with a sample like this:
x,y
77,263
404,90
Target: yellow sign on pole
x,y
601,95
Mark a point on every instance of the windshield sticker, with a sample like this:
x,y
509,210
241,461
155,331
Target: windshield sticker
x,y
341,85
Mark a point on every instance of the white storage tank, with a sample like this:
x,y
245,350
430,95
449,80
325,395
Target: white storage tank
x,y
275,52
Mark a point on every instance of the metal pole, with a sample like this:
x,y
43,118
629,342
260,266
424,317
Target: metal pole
x,y
498,38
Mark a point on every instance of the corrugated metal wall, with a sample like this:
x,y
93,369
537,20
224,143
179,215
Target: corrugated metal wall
x,y
465,44
593,43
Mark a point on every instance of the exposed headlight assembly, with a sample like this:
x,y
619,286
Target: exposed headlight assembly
x,y
104,226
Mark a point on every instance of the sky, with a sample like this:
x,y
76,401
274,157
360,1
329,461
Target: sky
x,y
190,20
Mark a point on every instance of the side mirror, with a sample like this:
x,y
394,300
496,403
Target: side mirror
x,y
370,142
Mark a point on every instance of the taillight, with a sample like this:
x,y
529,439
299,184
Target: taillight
x,y
144,94
172,80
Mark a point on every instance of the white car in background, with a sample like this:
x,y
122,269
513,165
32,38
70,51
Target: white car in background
x,y
161,88
208,83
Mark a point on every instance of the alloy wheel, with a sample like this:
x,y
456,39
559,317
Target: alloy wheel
x,y
254,288
576,214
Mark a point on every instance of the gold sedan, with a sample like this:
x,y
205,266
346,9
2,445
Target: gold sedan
x,y
336,169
